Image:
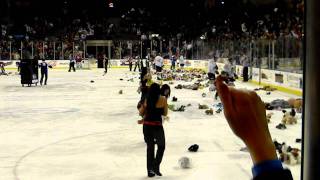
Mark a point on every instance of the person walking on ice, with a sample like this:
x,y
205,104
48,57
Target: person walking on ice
x,y
181,62
137,63
152,109
106,63
72,63
44,71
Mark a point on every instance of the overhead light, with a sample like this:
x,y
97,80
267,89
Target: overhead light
x,y
155,35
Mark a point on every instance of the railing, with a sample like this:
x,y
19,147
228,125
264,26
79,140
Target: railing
x,y
283,54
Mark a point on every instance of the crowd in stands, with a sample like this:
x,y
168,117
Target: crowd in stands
x,y
280,22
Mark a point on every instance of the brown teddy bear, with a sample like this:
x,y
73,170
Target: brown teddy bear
x,y
296,103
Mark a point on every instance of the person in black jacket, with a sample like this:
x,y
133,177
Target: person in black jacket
x,y
44,71
3,71
137,63
152,109
72,62
246,116
106,64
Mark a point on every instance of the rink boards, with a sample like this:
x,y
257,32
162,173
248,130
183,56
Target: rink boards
x,y
283,81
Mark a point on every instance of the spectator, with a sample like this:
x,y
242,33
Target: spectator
x,y
152,110
256,136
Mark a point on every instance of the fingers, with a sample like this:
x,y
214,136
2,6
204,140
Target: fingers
x,y
223,92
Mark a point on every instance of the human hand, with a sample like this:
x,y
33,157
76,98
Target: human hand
x,y
246,116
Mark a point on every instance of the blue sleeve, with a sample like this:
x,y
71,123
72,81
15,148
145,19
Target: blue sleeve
x,y
267,166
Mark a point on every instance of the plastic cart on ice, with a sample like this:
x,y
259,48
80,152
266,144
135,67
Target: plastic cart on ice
x,y
29,72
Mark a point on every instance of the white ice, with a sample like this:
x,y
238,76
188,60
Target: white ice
x,y
76,130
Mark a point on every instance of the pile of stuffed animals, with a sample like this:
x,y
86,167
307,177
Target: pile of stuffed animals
x,y
183,75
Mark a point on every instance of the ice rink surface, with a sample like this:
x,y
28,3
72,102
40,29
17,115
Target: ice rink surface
x,y
73,129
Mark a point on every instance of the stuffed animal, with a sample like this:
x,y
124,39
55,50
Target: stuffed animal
x,y
268,88
174,99
185,163
193,148
296,103
288,118
179,86
212,88
203,106
288,155
269,115
268,106
171,107
209,111
120,92
195,87
281,126
180,109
